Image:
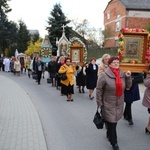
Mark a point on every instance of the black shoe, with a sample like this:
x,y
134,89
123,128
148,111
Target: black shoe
x,y
79,91
92,98
130,122
83,91
147,131
126,117
107,136
115,147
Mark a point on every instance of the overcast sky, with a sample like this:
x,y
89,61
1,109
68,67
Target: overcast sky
x,y
35,13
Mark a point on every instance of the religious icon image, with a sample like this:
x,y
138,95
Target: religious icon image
x,y
76,55
63,49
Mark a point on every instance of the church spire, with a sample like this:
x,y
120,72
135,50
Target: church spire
x,y
63,30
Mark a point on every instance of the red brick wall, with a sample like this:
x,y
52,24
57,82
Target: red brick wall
x,y
115,8
110,43
138,22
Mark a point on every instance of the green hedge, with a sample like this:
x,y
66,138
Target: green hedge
x,y
99,52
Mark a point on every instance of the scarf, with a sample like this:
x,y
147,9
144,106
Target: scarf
x,y
118,81
62,63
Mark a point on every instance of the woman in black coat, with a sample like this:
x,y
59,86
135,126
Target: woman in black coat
x,y
60,62
81,78
130,96
91,76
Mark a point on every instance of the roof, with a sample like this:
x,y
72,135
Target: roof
x,y
136,4
33,32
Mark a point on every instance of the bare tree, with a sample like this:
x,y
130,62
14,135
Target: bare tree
x,y
107,33
89,33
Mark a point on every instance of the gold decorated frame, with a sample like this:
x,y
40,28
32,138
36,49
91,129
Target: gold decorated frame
x,y
133,48
134,61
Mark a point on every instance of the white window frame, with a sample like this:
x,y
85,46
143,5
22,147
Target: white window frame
x,y
108,15
118,25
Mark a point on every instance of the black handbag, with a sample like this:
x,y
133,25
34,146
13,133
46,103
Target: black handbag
x,y
49,80
35,76
137,78
63,76
98,120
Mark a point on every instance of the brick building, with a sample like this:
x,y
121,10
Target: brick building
x,y
125,14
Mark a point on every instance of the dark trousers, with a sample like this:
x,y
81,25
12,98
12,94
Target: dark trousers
x,y
112,133
39,73
127,111
29,72
53,81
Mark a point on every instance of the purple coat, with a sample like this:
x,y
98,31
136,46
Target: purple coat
x,y
112,105
146,98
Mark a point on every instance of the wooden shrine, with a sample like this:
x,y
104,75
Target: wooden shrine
x,y
77,51
133,49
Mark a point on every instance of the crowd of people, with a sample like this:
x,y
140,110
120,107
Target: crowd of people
x,y
107,78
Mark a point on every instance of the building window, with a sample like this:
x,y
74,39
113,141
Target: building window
x,y
108,15
118,16
118,25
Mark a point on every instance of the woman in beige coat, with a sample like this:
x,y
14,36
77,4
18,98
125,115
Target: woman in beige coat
x,y
110,96
17,66
146,99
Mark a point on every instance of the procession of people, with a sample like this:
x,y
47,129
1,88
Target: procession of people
x,y
106,78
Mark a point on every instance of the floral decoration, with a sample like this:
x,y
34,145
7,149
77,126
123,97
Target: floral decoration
x,y
147,56
121,43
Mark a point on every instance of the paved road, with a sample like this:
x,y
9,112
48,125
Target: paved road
x,y
20,126
69,126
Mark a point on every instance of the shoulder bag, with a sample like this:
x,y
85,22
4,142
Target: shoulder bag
x,y
63,76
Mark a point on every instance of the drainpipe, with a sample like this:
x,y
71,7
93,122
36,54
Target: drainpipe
x,y
127,21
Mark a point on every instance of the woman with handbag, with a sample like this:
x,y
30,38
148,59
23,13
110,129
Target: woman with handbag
x,y
67,86
110,96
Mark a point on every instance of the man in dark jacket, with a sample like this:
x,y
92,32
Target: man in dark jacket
x,y
39,66
52,70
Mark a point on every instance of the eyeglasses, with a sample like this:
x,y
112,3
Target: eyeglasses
x,y
115,62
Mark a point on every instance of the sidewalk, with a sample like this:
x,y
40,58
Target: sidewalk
x,y
20,126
